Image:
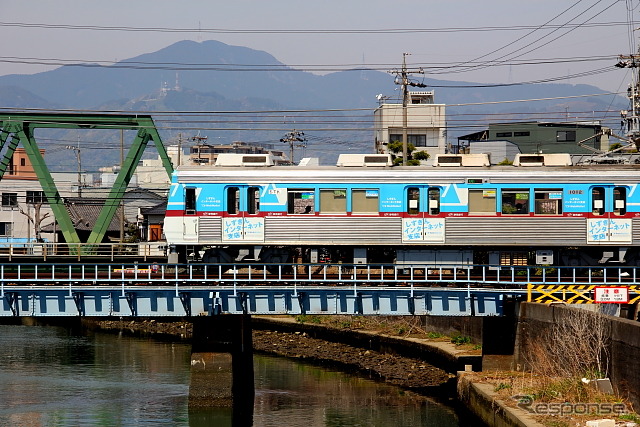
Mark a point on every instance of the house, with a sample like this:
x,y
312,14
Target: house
x,y
425,124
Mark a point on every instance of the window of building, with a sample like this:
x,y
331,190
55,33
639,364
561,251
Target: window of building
x,y
504,134
301,201
597,201
515,201
413,200
619,201
35,197
416,140
23,162
253,198
365,201
9,200
333,201
527,133
482,202
548,202
566,136
434,201
5,229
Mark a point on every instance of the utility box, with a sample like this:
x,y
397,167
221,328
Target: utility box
x,y
434,258
359,255
544,256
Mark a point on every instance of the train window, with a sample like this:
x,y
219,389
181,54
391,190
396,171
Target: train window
x,y
301,201
548,202
515,201
482,202
597,201
333,201
619,201
434,201
190,200
364,201
413,201
233,200
253,200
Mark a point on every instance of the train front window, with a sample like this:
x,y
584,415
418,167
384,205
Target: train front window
x,y
597,201
548,202
253,200
619,201
301,201
190,200
515,201
413,200
233,200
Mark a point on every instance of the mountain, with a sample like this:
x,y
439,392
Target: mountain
x,y
206,83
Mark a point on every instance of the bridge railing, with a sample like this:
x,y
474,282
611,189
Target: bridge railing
x,y
78,251
316,274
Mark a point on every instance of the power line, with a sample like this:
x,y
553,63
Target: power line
x,y
302,30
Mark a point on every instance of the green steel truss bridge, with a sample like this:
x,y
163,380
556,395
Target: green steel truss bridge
x,y
19,128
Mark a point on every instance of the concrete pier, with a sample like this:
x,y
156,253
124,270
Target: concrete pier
x,y
222,366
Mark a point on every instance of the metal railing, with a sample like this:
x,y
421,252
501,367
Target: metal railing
x,y
316,274
108,251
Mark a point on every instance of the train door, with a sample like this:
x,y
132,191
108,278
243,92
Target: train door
x,y
190,217
422,222
607,222
241,218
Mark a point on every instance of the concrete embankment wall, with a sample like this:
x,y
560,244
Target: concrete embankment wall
x,y
432,354
537,320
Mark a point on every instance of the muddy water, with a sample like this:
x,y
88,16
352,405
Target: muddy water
x,y
50,377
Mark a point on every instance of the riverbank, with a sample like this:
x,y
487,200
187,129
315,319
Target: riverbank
x,y
284,336
402,354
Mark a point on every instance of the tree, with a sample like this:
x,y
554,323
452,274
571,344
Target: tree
x,y
420,155
36,219
413,158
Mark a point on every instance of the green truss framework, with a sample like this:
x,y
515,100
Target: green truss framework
x,y
16,128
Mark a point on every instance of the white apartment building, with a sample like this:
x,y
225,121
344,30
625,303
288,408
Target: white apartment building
x,y
425,124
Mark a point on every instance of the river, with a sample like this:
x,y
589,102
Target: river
x,y
52,377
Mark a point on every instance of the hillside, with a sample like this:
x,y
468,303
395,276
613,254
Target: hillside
x,y
205,85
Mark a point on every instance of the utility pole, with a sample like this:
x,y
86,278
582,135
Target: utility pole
x,y
121,201
630,118
292,138
79,161
200,141
402,79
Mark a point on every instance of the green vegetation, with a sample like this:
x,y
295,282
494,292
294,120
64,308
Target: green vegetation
x,y
413,159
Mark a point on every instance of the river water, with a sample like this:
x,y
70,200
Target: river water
x,y
51,377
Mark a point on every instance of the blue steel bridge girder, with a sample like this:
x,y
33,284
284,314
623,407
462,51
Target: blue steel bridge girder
x,y
191,301
20,128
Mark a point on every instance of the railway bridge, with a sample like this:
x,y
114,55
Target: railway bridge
x,y
194,290
220,299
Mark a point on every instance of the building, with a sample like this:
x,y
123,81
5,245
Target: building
x,y
539,137
24,211
205,154
425,124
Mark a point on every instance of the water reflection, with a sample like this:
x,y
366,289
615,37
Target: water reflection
x,y
49,377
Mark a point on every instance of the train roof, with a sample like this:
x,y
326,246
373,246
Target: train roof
x,y
618,173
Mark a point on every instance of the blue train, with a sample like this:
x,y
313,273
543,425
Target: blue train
x,y
540,211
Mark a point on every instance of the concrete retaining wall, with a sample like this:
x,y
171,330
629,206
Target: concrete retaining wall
x,y
478,398
624,370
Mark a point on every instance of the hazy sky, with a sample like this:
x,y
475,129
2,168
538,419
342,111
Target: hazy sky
x,y
316,34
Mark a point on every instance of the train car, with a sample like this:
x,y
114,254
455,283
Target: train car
x,y
540,211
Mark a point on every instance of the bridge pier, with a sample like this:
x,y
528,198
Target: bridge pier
x,y
222,367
